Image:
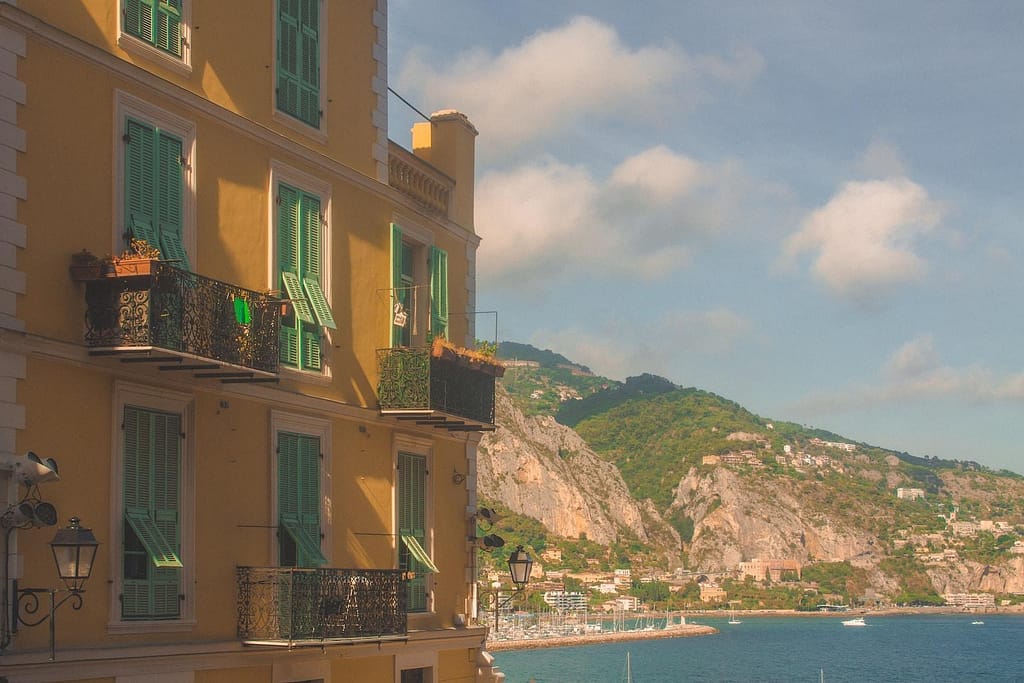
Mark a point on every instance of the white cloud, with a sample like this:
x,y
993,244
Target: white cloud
x,y
620,348
547,220
555,77
863,239
915,373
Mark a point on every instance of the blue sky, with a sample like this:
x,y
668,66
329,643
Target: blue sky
x,y
810,208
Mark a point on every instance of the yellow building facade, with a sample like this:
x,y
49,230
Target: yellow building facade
x,y
248,415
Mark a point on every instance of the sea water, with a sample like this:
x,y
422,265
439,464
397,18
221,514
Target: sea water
x,y
891,648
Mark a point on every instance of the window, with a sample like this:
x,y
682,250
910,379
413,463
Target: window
x,y
154,187
158,30
413,554
300,249
298,60
298,500
151,480
157,22
408,290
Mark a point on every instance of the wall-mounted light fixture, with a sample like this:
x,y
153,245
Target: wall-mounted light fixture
x,y
520,564
74,551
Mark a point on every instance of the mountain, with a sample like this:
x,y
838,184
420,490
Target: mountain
x,y
647,474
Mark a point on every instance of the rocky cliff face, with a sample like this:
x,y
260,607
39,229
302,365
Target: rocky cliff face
x,y
539,468
736,519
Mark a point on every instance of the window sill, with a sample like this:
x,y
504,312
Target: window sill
x,y
316,134
117,628
141,48
306,376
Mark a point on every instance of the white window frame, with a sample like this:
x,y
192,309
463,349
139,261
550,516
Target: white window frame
x,y
128,106
136,46
126,394
307,426
413,445
288,175
285,119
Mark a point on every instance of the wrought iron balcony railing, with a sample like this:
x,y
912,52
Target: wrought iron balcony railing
x,y
292,606
204,323
413,385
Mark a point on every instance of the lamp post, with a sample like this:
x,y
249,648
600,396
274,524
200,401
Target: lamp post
x,y
519,566
74,550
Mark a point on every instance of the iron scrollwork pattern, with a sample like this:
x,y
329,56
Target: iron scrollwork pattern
x,y
292,605
411,379
177,310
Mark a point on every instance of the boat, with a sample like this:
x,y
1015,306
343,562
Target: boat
x,y
733,619
629,669
856,621
977,623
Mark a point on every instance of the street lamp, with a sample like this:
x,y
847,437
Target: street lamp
x,y
74,550
519,566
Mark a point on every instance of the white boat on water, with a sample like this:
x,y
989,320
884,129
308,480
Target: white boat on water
x,y
977,623
733,619
856,621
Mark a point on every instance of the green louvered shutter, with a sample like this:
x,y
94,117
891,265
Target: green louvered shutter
x,y
171,186
309,62
158,22
298,59
151,493
438,292
287,57
140,161
396,283
412,471
309,266
167,35
138,19
288,262
299,495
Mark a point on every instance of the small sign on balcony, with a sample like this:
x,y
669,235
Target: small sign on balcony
x,y
401,317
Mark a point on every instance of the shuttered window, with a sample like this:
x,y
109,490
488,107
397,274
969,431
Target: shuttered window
x,y
157,22
438,293
406,291
298,500
300,258
298,59
154,189
412,476
151,481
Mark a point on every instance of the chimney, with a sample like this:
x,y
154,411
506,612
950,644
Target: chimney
x,y
448,142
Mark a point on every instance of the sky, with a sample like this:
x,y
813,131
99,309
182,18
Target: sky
x,y
812,209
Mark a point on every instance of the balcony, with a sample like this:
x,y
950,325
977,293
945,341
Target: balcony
x,y
418,180
292,607
413,385
184,322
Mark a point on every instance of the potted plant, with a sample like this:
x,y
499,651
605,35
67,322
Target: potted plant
x,y
482,359
84,266
137,259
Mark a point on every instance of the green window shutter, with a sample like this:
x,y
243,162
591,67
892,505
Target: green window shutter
x,y
287,57
151,490
167,36
171,184
293,288
298,59
140,181
438,292
299,494
288,228
310,235
309,67
419,554
138,18
318,302
310,340
412,471
396,281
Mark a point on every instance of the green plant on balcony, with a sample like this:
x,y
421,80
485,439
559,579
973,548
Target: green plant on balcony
x,y
477,359
85,265
137,259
